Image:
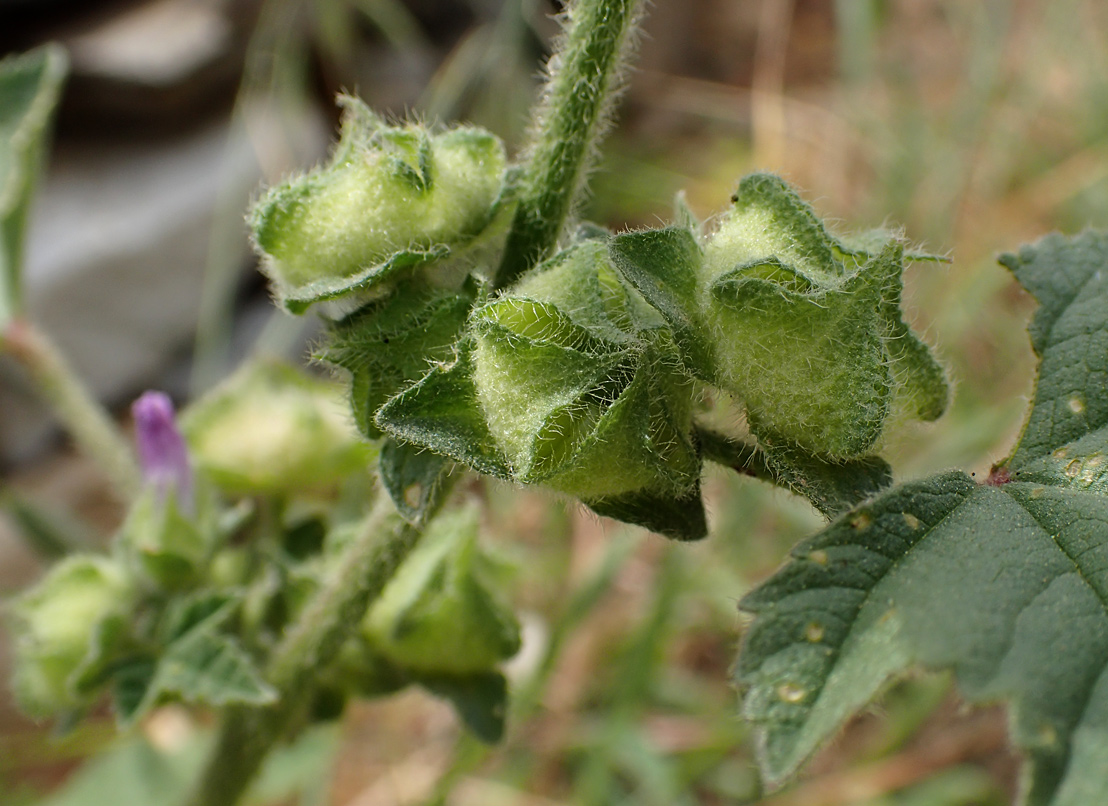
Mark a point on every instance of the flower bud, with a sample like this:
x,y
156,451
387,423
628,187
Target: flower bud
x,y
580,385
808,332
271,429
391,198
162,452
439,613
54,625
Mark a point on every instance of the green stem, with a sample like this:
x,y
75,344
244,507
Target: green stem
x,y
570,121
86,420
361,574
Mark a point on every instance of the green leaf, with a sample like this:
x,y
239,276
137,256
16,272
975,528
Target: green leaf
x,y
481,700
831,487
1069,278
391,343
199,663
413,477
1004,582
30,86
134,771
130,684
663,266
205,667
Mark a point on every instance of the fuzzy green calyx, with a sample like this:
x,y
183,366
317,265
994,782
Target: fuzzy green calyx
x,y
392,198
54,628
573,381
271,429
808,330
440,613
574,376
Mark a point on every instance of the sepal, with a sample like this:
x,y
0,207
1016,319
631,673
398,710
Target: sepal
x,y
390,343
167,546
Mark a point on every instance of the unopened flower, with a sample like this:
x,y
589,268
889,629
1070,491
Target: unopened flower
x,y
807,329
440,613
392,198
54,625
162,451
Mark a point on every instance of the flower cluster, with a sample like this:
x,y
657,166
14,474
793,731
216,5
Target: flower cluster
x,y
585,375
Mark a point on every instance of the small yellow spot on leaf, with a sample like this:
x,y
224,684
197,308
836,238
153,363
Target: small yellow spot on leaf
x,y
790,692
911,520
861,521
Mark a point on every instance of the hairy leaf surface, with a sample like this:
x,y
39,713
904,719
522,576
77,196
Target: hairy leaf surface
x,y
1004,582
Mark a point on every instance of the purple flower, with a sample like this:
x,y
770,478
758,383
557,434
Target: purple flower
x,y
162,451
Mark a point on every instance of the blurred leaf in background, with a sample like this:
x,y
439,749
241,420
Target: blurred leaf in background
x,y
29,89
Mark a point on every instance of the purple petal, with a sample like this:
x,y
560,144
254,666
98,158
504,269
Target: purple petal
x,y
162,451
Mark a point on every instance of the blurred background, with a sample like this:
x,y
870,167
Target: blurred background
x,y
973,126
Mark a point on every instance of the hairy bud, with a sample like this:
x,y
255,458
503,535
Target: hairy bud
x,y
392,197
54,627
807,330
439,613
271,429
575,376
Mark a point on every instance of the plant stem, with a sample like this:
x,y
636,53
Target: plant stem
x,y
571,119
309,645
86,420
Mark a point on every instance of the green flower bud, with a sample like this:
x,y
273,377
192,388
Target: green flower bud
x,y
54,629
440,614
271,429
391,198
580,385
808,332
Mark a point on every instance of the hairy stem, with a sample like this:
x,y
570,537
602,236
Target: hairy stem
x,y
86,420
583,77
310,644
